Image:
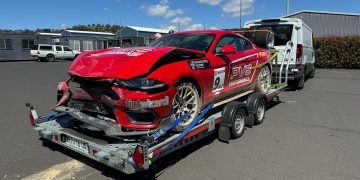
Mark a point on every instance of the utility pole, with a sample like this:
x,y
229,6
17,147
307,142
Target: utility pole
x,y
287,6
240,14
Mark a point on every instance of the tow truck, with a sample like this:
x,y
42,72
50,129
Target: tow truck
x,y
133,154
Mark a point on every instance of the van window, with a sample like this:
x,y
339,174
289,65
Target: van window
x,y
283,32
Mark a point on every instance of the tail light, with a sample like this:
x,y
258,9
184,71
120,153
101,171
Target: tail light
x,y
138,157
299,58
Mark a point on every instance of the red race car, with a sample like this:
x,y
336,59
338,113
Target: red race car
x,y
145,88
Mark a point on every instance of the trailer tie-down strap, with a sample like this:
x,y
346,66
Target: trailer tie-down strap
x,y
189,128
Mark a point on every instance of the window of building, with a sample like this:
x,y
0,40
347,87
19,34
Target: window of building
x,y
27,43
74,44
5,44
88,46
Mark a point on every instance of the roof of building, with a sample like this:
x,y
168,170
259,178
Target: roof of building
x,y
90,32
144,29
323,12
49,34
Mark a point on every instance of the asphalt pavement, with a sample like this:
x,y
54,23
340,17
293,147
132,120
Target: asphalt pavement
x,y
313,133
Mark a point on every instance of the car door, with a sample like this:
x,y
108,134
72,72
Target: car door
x,y
68,52
59,52
233,72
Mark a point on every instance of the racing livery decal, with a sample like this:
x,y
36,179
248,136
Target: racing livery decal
x,y
200,64
219,79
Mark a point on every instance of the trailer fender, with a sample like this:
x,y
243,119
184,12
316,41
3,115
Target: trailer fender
x,y
252,104
228,116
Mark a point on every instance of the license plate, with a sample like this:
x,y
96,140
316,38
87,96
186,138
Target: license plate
x,y
88,106
75,143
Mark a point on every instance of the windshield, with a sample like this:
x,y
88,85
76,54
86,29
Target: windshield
x,y
35,47
283,33
200,42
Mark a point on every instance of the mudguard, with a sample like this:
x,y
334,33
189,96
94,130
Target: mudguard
x,y
228,115
251,102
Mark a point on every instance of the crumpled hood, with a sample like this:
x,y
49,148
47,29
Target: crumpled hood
x,y
122,63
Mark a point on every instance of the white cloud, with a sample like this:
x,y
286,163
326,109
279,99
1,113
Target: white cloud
x,y
162,9
210,2
181,21
63,26
168,27
106,9
232,7
213,27
195,27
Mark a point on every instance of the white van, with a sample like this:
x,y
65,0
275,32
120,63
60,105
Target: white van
x,y
302,52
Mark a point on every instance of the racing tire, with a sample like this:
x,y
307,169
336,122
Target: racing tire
x,y
263,81
186,99
238,124
264,39
50,58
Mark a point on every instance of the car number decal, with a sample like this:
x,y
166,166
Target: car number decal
x,y
219,79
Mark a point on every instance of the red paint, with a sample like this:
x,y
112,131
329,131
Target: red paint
x,y
127,63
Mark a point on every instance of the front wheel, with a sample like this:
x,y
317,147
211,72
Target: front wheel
x,y
264,80
186,100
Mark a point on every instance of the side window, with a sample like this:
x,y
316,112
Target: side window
x,y
67,48
58,48
239,43
46,48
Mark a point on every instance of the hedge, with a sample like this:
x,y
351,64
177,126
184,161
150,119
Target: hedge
x,y
337,52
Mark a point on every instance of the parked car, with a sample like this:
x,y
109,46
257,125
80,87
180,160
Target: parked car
x,y
45,52
295,30
143,88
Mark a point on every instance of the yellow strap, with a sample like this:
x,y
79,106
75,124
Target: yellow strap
x,y
269,60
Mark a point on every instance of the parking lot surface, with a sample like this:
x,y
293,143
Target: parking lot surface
x,y
313,133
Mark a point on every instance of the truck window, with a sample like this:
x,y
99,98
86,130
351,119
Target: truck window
x,y
46,48
67,49
283,33
58,48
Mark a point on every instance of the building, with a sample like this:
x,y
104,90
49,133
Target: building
x,y
330,23
131,36
47,38
87,40
16,46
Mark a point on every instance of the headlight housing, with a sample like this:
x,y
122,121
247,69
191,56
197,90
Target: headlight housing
x,y
142,84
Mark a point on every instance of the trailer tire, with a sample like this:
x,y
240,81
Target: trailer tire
x,y
238,123
257,103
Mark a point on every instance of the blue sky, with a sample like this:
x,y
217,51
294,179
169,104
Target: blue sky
x,y
170,14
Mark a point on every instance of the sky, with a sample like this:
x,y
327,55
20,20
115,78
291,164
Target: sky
x,y
164,14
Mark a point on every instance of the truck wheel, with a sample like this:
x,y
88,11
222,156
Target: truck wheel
x,y
264,80
260,109
185,100
238,124
50,58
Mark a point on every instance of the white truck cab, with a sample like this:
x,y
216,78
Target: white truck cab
x,y
302,57
45,52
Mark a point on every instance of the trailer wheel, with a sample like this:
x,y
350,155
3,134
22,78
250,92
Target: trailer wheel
x,y
260,111
238,124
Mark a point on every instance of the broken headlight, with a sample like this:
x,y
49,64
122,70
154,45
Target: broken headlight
x,y
142,84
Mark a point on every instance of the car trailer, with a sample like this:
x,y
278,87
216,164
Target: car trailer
x,y
133,154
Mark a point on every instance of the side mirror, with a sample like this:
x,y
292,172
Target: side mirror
x,y
228,49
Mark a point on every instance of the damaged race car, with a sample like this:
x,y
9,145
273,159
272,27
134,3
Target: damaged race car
x,y
145,88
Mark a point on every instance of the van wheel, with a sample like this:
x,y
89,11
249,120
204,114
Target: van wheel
x,y
50,58
297,84
312,74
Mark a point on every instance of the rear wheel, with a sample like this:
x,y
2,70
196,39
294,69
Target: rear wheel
x,y
186,100
312,74
50,58
264,80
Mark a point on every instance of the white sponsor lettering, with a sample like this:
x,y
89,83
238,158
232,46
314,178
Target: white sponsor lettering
x,y
147,104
